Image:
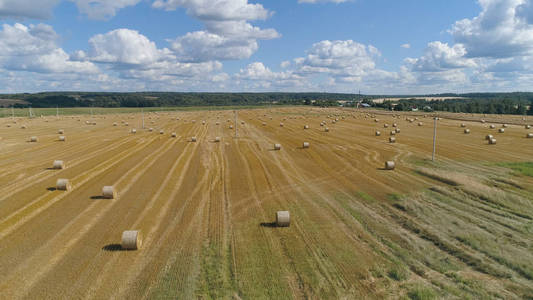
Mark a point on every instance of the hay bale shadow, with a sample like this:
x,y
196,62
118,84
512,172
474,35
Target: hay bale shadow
x,y
97,197
51,189
269,224
113,248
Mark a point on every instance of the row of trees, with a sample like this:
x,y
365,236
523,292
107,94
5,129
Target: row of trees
x,y
71,99
515,106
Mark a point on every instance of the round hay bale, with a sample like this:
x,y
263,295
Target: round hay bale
x,y
108,192
306,126
277,146
420,124
8,125
193,139
217,123
242,122
305,145
264,124
231,127
376,120
392,139
62,138
61,131
492,141
115,124
501,130
131,240
150,129
389,165
529,135
385,125
489,137
393,132
23,127
326,129
492,126
126,124
94,123
203,122
467,131
63,184
283,219
280,124
58,165
504,125
482,121
378,133
87,122
397,130
34,139
463,125
134,130
322,124
394,125
173,135
217,139
528,127
161,131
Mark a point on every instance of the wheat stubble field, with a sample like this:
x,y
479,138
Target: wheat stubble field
x,y
460,227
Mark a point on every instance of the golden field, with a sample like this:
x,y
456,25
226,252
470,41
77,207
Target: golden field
x,y
460,227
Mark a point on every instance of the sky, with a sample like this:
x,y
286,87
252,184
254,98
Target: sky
x,y
381,47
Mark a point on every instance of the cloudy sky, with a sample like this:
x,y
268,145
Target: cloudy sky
x,y
376,46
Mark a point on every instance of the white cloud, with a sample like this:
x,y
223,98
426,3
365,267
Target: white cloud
x,y
35,49
228,34
217,10
42,9
35,9
122,46
406,46
502,29
102,9
322,1
339,59
238,41
439,56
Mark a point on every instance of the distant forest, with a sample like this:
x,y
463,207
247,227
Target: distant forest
x,y
157,99
486,103
491,103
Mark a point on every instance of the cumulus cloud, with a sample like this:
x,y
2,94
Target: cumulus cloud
x,y
322,1
228,34
345,60
217,10
237,40
34,9
502,29
406,46
102,9
439,56
42,9
34,49
122,46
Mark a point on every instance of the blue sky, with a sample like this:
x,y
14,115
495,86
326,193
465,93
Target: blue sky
x,y
376,46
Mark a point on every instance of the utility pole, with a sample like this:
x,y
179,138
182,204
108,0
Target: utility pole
x,y
142,113
236,134
434,138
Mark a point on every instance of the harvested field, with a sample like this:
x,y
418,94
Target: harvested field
x,y
460,227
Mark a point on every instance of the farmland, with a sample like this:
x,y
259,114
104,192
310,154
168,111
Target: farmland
x,y
459,227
